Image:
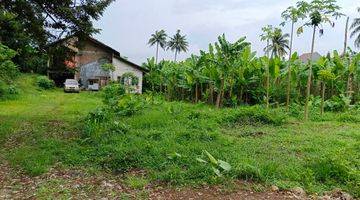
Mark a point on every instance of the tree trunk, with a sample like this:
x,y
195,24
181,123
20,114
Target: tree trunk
x,y
241,94
322,97
289,68
157,53
220,94
308,87
175,55
346,35
267,85
196,93
211,96
349,86
267,52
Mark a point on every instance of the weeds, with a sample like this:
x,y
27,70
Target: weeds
x,y
165,138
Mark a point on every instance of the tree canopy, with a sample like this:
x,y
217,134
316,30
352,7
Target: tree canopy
x,y
29,26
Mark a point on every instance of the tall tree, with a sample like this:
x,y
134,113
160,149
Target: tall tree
x,y
279,44
158,39
292,15
266,36
346,35
41,22
319,12
355,27
178,43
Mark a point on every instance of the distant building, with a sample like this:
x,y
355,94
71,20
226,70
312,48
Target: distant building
x,y
306,57
89,55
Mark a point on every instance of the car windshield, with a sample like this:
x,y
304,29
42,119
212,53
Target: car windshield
x,y
71,82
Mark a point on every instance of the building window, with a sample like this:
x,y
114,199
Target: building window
x,y
103,60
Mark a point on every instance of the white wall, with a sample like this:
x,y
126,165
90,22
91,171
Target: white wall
x,y
122,68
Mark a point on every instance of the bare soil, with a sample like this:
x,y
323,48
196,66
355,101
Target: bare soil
x,y
61,183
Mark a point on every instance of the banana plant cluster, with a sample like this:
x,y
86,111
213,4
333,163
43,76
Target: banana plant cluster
x,y
230,74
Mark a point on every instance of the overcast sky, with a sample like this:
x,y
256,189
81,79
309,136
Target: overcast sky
x,y
128,24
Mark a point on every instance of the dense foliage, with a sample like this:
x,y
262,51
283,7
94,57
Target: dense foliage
x,y
45,83
230,74
29,26
8,71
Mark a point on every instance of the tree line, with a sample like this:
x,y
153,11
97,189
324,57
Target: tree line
x,y
230,73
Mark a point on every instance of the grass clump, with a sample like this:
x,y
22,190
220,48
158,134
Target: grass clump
x,y
136,182
166,140
252,115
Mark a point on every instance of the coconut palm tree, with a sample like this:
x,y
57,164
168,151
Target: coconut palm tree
x,y
158,39
279,44
355,27
178,44
319,12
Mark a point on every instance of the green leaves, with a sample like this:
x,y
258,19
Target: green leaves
x,y
8,70
218,166
300,30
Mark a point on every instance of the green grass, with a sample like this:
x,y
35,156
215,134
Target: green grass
x,y
136,182
42,128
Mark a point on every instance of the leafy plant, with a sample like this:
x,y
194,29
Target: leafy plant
x,y
45,83
218,166
112,93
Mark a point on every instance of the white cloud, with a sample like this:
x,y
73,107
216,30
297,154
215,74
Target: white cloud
x,y
127,24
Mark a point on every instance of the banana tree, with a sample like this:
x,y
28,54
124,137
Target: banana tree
x,y
225,54
153,76
354,66
193,74
242,65
325,75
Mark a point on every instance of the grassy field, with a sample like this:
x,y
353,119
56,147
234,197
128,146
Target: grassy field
x,y
166,139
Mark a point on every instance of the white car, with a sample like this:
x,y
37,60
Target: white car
x,y
71,85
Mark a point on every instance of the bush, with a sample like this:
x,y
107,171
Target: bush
x,y
44,83
7,91
112,93
129,105
337,103
348,117
252,115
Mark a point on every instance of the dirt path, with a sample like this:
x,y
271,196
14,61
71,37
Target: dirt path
x,y
77,184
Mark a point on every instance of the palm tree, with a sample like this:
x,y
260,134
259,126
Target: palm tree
x,y
279,44
266,36
158,38
292,14
320,11
355,26
178,44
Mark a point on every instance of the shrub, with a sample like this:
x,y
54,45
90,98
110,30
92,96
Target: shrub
x,y
348,117
97,116
112,93
116,127
129,105
8,70
7,91
337,103
44,83
252,115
